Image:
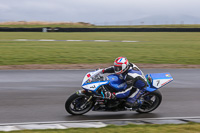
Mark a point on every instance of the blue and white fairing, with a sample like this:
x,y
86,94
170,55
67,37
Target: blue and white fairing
x,y
158,80
155,81
92,81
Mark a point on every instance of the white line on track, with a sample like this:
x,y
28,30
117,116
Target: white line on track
x,y
129,41
21,40
81,121
45,40
102,40
94,123
73,40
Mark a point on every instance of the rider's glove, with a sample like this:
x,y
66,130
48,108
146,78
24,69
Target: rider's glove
x,y
102,70
109,95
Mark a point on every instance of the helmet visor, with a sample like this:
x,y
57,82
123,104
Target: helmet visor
x,y
117,68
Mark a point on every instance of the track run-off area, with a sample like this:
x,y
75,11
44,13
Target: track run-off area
x,y
40,95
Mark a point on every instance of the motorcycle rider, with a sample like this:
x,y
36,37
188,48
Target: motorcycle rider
x,y
135,81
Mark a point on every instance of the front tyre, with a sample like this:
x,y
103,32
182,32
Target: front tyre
x,y
151,101
78,104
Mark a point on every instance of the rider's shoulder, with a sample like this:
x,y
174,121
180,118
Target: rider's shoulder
x,y
133,67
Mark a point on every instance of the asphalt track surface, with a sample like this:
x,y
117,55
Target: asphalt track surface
x,y
40,95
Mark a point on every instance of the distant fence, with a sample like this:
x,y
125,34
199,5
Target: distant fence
x,y
20,29
99,29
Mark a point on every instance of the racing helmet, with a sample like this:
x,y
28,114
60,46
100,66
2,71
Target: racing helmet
x,y
121,64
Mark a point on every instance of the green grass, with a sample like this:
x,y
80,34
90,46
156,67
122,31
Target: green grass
x,y
110,26
155,47
169,128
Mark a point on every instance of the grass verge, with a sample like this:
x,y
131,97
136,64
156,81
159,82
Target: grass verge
x,y
154,48
169,128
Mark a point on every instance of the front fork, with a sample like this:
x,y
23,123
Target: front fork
x,y
87,102
84,93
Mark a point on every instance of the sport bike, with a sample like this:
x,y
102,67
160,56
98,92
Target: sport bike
x,y
95,84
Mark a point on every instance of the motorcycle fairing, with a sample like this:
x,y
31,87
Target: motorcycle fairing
x,y
88,76
158,80
93,86
155,81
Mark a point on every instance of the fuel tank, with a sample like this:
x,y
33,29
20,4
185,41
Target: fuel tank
x,y
116,82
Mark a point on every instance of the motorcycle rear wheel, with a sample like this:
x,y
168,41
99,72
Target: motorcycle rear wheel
x,y
151,102
74,104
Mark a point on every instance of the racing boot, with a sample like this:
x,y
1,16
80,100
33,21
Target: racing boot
x,y
134,100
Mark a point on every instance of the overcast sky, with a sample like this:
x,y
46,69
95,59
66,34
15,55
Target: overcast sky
x,y
95,11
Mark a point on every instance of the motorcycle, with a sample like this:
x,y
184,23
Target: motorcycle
x,y
95,84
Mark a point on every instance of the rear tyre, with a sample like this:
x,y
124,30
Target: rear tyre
x,y
78,105
151,102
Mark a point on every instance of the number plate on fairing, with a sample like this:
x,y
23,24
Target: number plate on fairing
x,y
160,79
94,86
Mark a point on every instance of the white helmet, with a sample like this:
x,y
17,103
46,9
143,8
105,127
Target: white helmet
x,y
120,65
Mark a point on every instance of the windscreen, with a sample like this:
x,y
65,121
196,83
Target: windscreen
x,y
96,78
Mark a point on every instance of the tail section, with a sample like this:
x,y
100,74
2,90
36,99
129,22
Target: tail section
x,y
158,80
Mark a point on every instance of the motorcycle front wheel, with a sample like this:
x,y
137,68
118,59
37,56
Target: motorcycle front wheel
x,y
151,101
78,104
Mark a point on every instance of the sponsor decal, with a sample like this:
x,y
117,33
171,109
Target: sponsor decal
x,y
121,85
167,75
93,86
166,82
149,80
88,75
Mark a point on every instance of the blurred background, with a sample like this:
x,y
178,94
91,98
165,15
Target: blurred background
x,y
163,35
102,12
